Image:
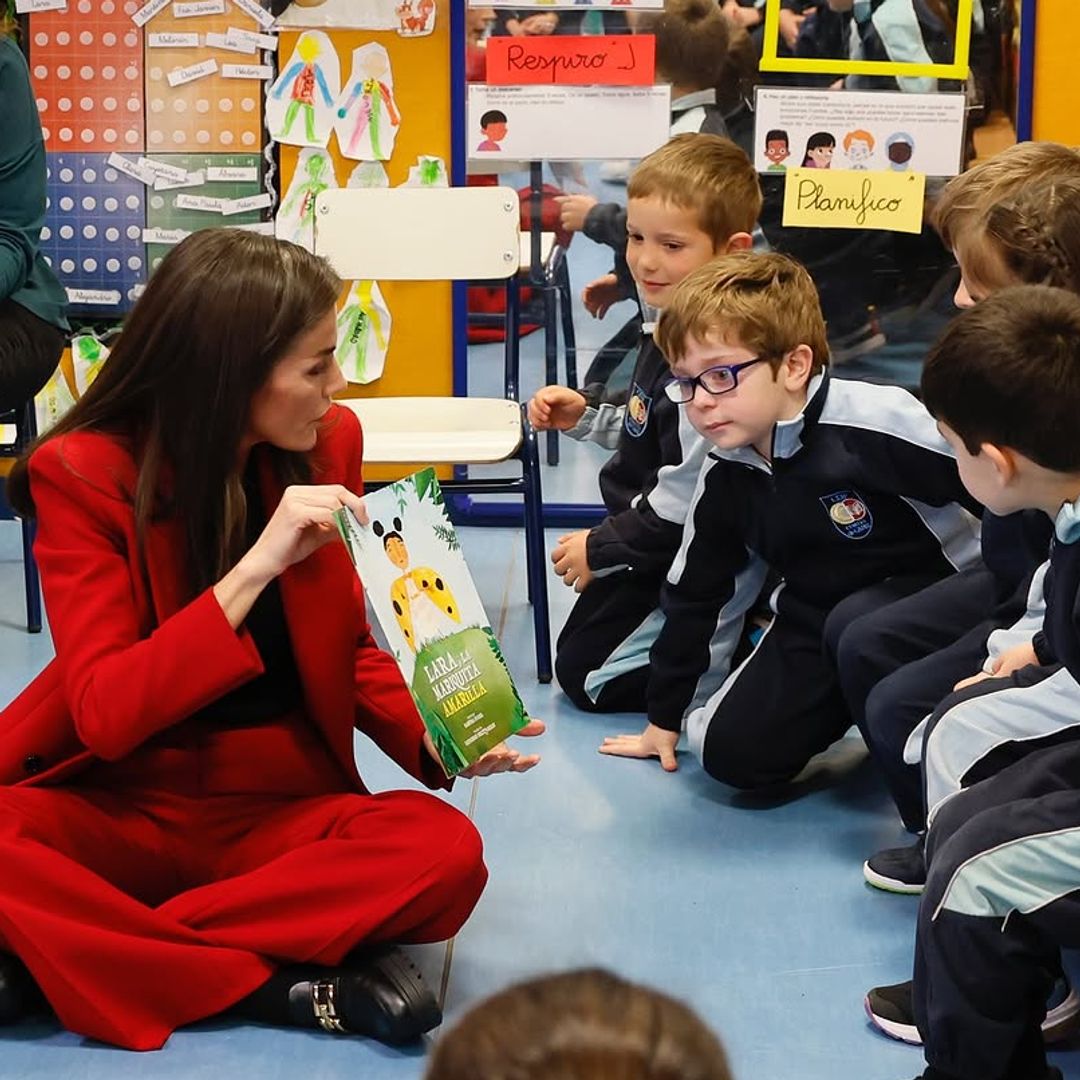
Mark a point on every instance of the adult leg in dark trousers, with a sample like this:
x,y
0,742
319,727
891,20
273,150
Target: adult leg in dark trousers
x,y
602,655
1003,896
783,704
896,661
30,349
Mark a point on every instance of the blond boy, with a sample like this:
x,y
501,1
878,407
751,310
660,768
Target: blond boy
x,y
693,199
837,487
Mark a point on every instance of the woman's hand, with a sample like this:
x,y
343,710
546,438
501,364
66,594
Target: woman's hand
x,y
301,524
498,759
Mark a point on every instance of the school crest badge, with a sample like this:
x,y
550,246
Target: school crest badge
x,y
637,411
850,516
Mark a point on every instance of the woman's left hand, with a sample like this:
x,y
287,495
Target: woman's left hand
x,y
498,759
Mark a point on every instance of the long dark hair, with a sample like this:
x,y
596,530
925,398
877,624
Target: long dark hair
x,y
220,311
816,142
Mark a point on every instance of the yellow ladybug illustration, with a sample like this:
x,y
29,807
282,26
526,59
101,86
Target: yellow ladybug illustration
x,y
420,597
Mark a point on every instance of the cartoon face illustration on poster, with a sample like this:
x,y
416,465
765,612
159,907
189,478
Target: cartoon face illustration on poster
x,y
899,148
296,217
300,105
858,148
820,148
367,116
777,150
493,125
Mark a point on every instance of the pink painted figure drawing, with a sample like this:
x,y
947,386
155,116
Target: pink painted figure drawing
x,y
370,116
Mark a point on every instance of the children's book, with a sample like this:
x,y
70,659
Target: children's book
x,y
410,561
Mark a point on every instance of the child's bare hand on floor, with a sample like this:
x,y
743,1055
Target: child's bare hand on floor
x,y
652,742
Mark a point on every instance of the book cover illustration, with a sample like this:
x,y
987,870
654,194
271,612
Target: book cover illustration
x,y
410,561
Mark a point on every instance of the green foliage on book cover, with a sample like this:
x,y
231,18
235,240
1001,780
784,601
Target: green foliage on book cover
x,y
465,696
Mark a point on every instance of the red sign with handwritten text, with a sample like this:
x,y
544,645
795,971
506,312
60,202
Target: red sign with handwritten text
x,y
613,60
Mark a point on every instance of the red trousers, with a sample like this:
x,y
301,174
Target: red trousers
x,y
139,909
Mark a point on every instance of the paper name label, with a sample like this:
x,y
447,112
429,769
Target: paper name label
x,y
159,168
223,41
164,236
257,41
194,179
249,202
148,11
614,60
180,76
130,168
93,296
264,228
232,172
23,7
194,8
257,12
172,41
200,202
846,199
247,71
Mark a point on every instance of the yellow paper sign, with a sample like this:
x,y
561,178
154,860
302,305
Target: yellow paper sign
x,y
846,199
958,69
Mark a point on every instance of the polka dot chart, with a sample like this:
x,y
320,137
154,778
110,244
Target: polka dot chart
x,y
93,229
211,114
87,69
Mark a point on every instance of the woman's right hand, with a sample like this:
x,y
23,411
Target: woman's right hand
x,y
302,523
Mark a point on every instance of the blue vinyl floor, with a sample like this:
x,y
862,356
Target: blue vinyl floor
x,y
753,911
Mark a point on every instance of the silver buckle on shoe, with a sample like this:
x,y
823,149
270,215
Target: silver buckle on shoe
x,y
323,995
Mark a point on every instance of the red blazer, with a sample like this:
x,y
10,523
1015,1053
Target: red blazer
x,y
133,658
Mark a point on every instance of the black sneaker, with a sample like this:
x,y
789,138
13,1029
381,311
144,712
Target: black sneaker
x,y
898,870
891,1011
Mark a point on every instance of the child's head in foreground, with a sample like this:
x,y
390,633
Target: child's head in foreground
x,y
696,197
743,336
1003,383
993,246
581,1025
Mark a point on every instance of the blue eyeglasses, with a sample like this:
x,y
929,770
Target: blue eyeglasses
x,y
721,379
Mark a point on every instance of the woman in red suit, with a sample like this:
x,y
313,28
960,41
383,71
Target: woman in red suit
x,y
182,826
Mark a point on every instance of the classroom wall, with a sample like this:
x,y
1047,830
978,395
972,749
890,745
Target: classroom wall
x,y
1055,115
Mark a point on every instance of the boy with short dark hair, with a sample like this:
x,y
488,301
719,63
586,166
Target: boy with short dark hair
x,y
834,486
1003,846
694,198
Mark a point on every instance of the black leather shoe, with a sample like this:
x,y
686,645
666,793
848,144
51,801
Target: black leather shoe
x,y
379,993
19,994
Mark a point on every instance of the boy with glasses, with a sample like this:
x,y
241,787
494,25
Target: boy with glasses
x,y
834,486
693,199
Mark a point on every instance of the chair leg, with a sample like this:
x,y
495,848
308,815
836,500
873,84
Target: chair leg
x,y
30,578
535,555
566,307
551,362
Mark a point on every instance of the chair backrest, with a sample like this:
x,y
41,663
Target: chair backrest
x,y
419,234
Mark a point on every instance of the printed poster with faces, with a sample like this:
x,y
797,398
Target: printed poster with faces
x,y
863,130
410,561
